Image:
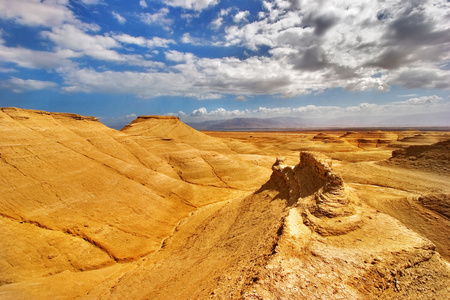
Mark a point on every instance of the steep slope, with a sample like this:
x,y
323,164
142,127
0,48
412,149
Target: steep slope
x,y
195,157
171,128
58,181
69,181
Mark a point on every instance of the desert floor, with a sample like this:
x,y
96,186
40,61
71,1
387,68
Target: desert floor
x,y
161,211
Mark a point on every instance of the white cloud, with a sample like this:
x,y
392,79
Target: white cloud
x,y
217,23
154,42
41,13
348,43
425,104
192,4
158,18
143,4
241,98
71,42
241,16
199,112
187,58
191,77
311,46
219,113
35,59
119,18
425,100
196,77
36,12
72,38
208,96
19,85
141,84
128,39
187,39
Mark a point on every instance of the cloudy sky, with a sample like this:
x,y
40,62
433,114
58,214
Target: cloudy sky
x,y
216,59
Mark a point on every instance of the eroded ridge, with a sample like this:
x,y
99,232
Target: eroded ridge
x,y
328,205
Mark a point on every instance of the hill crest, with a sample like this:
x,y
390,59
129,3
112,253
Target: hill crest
x,y
19,113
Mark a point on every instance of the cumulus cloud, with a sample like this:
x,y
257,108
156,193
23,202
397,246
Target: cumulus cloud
x,y
19,85
294,48
159,18
218,22
191,77
411,106
192,4
177,56
199,112
219,113
41,13
241,16
350,42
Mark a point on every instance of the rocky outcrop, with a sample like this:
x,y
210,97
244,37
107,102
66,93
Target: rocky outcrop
x,y
328,206
141,119
370,139
327,138
26,114
433,157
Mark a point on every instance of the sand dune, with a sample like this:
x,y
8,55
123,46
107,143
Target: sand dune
x,y
162,211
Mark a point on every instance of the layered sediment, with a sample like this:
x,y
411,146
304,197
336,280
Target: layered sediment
x,y
328,205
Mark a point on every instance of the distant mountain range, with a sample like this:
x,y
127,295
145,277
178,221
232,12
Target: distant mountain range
x,y
251,124
429,120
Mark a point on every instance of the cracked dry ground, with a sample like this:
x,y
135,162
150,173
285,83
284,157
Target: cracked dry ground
x,y
161,211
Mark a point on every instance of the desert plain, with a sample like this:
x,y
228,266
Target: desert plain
x,y
159,210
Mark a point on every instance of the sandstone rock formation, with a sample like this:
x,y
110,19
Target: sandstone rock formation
x,y
194,157
435,157
161,211
327,138
370,139
329,206
112,197
326,235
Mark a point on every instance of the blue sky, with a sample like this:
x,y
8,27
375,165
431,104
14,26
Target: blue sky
x,y
219,59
